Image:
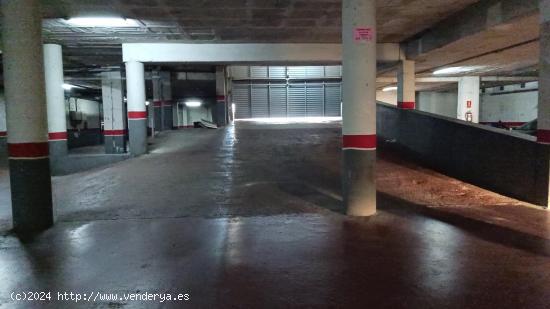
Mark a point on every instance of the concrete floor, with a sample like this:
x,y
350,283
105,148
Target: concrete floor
x,y
250,216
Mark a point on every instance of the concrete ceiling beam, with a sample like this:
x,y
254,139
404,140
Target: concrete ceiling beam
x,y
479,17
247,53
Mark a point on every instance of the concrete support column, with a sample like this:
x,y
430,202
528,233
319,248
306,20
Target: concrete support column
x,y
157,101
23,58
114,120
468,99
166,97
137,114
406,88
55,100
3,130
543,123
359,106
221,95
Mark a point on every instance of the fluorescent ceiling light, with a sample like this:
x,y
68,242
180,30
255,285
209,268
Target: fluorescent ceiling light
x,y
102,22
69,86
392,88
193,103
453,70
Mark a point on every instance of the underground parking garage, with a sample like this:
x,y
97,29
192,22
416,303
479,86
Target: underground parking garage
x,y
285,153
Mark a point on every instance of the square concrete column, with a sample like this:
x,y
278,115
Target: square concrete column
x,y
468,99
359,106
114,112
166,100
543,123
220,116
27,124
406,85
137,114
55,100
3,131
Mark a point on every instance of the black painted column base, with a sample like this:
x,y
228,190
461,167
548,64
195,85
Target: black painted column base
x,y
220,114
137,129
157,118
3,145
58,149
31,194
168,118
359,182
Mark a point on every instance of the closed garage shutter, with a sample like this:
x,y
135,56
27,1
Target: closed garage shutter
x,y
277,72
277,100
314,100
241,99
259,101
297,100
310,91
333,99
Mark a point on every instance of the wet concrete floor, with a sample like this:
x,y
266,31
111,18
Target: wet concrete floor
x,y
250,216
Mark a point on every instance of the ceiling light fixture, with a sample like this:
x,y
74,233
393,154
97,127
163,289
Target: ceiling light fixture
x,y
453,70
102,22
391,88
193,103
69,86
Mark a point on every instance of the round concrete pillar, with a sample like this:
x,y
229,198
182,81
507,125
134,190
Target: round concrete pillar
x,y
3,132
31,188
55,101
359,106
137,115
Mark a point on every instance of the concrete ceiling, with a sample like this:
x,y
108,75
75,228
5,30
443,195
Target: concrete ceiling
x,y
507,47
240,20
274,21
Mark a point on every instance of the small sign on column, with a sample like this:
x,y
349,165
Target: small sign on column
x,y
363,34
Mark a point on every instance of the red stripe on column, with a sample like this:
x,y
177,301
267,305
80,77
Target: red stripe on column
x,y
57,136
543,136
28,150
359,141
168,103
3,133
114,132
157,103
137,115
406,105
220,98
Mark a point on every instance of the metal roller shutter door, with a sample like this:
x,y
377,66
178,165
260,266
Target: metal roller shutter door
x,y
333,99
277,72
241,98
277,101
296,100
259,98
258,72
314,100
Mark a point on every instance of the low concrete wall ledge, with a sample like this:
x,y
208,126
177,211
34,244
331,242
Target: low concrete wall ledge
x,y
505,162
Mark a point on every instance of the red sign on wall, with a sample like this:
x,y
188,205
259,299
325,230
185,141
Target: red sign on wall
x,y
363,34
469,104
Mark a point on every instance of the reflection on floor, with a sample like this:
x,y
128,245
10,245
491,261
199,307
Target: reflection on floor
x,y
251,216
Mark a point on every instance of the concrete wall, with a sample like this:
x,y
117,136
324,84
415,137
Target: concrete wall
x,y
86,110
439,103
389,97
196,114
504,162
512,104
